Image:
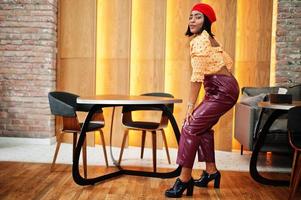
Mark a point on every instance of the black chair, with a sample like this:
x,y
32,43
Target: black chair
x,y
294,130
145,126
64,104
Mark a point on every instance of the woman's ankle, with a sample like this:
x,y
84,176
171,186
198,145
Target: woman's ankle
x,y
211,168
185,175
185,179
211,171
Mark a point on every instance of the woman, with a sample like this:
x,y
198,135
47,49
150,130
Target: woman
x,y
211,66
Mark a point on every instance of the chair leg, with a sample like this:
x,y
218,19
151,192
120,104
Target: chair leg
x,y
166,146
294,168
74,144
104,147
241,149
154,140
125,135
296,175
85,158
58,145
142,143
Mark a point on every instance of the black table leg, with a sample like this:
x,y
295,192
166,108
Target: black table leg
x,y
91,181
171,174
259,143
75,167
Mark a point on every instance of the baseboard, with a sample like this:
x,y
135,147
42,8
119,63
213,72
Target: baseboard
x,y
20,140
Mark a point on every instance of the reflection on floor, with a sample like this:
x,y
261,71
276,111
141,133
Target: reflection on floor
x,y
231,161
19,180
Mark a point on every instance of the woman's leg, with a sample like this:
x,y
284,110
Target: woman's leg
x,y
211,167
185,175
197,133
188,146
206,151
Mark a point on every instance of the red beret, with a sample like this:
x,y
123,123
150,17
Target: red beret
x,y
206,10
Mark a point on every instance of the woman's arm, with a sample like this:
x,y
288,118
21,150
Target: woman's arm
x,y
193,95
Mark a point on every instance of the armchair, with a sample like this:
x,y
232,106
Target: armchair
x,y
249,118
63,104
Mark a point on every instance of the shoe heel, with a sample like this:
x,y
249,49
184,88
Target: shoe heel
x,y
217,181
189,191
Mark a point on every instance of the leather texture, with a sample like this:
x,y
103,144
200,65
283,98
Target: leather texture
x,y
197,135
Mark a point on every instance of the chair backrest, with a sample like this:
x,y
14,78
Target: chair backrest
x,y
253,91
162,94
156,94
295,91
126,110
294,126
62,103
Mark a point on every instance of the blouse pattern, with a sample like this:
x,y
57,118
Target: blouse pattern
x,y
206,59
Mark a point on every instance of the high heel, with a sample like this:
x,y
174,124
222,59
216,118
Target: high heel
x,y
206,178
179,187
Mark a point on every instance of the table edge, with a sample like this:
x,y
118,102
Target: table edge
x,y
81,100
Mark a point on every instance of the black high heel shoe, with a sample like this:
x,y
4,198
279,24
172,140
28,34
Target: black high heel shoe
x,y
179,187
206,178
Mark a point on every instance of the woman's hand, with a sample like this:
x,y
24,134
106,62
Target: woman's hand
x,y
193,95
190,108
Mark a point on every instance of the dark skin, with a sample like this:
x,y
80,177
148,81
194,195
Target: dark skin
x,y
196,21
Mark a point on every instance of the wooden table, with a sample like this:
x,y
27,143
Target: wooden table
x,y
102,101
278,110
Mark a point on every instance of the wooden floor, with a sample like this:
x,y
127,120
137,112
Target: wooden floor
x,y
34,181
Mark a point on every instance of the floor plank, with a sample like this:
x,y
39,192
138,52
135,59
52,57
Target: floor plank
x,y
35,181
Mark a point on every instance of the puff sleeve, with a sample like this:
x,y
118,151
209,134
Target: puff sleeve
x,y
199,47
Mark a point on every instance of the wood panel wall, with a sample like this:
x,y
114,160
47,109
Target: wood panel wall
x,y
141,48
253,48
225,32
253,44
147,56
113,57
76,55
177,59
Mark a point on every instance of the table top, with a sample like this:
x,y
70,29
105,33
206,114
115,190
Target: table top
x,y
286,106
125,100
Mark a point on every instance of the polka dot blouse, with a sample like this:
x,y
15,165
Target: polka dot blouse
x,y
206,59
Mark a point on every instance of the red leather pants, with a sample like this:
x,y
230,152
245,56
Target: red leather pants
x,y
221,93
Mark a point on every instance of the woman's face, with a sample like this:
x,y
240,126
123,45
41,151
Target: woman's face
x,y
196,21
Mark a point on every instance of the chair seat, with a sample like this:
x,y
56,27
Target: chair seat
x,y
277,137
276,141
93,126
142,125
